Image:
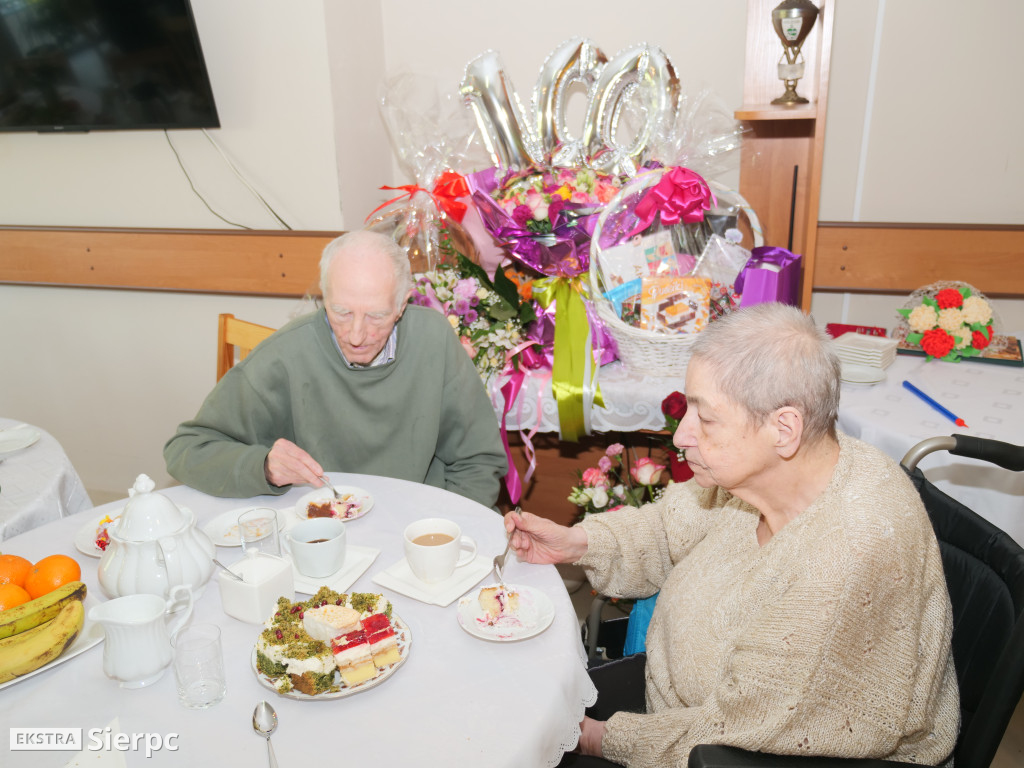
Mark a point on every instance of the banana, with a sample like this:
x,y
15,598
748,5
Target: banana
x,y
31,649
44,608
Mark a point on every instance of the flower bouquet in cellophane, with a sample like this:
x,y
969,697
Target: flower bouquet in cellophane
x,y
430,134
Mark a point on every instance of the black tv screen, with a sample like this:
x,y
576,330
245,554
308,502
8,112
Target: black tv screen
x,y
85,65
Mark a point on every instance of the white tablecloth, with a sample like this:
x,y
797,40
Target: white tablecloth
x,y
631,402
457,700
989,398
37,484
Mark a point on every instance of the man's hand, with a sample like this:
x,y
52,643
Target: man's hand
x,y
591,733
287,464
539,540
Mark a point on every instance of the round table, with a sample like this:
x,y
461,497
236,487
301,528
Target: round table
x,y
457,699
37,483
988,397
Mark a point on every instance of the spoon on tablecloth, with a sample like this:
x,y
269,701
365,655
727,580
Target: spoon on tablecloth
x,y
264,722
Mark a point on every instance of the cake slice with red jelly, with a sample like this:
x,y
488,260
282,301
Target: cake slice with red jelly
x,y
352,655
382,639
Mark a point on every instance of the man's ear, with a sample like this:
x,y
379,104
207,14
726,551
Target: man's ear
x,y
789,430
404,304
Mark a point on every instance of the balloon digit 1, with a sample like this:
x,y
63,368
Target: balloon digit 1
x,y
574,61
487,89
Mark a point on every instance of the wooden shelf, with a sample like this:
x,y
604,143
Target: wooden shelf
x,y
785,144
777,112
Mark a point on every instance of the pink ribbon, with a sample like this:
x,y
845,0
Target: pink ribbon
x,y
680,195
509,392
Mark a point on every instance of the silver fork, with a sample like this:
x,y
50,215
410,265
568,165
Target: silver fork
x,y
329,484
499,560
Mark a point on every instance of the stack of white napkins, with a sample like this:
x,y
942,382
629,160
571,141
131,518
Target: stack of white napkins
x,y
861,349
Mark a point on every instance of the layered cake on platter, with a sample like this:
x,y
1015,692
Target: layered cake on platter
x,y
327,643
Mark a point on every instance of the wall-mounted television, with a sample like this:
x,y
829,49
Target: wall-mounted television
x,y
90,65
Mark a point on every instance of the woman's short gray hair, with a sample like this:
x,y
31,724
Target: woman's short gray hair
x,y
365,240
772,355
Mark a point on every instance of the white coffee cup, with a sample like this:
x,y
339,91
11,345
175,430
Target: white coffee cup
x,y
317,546
435,547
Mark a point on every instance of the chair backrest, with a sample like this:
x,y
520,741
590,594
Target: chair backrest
x,y
985,576
240,335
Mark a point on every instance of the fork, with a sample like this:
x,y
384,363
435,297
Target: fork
x,y
329,484
499,560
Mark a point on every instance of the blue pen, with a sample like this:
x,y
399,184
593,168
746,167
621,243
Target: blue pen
x,y
944,411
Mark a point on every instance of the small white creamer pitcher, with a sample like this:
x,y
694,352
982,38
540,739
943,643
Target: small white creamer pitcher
x,y
137,649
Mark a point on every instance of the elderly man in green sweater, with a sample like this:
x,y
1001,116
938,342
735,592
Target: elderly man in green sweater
x,y
369,384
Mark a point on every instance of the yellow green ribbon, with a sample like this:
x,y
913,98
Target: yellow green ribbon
x,y
568,365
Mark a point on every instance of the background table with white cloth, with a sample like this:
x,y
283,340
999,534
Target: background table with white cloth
x,y
988,397
456,701
38,483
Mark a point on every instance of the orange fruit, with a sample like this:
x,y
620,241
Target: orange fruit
x,y
51,572
14,569
12,595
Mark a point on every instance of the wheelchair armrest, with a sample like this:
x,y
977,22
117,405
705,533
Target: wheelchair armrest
x,y
718,756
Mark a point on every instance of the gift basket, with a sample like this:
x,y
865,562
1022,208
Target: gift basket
x,y
664,258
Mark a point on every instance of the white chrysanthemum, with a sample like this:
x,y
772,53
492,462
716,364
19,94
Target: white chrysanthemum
x,y
962,338
923,318
482,293
976,310
951,320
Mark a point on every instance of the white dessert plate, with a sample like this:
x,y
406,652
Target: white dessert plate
x,y
85,537
399,578
357,560
91,634
16,438
404,637
861,374
223,529
357,502
865,343
535,614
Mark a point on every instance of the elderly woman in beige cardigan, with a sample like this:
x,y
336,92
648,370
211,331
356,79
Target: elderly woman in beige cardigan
x,y
802,606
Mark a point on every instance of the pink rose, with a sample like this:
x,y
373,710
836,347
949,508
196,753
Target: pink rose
x,y
647,471
614,449
595,478
468,346
604,464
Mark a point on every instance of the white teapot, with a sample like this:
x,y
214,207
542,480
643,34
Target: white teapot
x,y
155,546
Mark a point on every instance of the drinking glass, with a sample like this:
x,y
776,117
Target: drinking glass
x,y
199,666
258,531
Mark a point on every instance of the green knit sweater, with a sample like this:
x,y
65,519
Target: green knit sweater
x,y
424,416
831,639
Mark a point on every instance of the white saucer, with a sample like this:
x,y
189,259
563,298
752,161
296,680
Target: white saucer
x,y
223,529
16,438
861,374
85,537
399,578
357,560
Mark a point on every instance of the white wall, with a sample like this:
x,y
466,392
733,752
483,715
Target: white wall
x,y
111,373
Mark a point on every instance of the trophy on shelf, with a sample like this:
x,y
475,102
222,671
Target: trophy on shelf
x,y
793,21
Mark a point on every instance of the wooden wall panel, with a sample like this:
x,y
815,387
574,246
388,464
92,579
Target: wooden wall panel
x,y
901,257
264,263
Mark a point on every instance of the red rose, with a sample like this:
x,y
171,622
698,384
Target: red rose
x,y
674,406
979,340
937,342
949,297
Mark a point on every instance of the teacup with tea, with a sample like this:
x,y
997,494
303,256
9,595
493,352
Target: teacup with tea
x,y
317,546
435,547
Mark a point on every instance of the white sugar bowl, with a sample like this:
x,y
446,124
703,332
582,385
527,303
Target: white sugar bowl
x,y
155,546
265,579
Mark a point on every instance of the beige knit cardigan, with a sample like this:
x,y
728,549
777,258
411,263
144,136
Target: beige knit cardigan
x,y
831,639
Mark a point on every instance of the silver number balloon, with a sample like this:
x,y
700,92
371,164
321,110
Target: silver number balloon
x,y
506,133
641,77
575,62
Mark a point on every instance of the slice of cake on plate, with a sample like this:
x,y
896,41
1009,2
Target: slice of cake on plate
x,y
352,656
498,602
382,639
